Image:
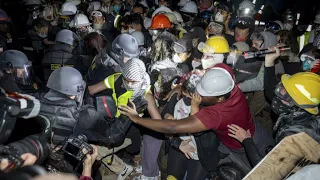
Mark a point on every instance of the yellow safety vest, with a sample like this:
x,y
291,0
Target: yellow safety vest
x,y
123,99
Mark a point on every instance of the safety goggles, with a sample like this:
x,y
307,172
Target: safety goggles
x,y
96,14
282,93
203,47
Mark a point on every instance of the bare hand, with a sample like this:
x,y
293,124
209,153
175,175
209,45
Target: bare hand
x,y
88,162
196,99
238,133
175,90
186,148
46,41
29,159
129,111
270,58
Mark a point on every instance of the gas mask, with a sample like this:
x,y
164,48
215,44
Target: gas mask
x,y
282,102
279,107
307,62
210,60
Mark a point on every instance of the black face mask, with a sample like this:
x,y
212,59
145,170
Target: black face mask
x,y
187,101
279,107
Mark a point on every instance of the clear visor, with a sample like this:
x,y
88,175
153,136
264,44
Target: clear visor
x,y
246,12
22,75
204,48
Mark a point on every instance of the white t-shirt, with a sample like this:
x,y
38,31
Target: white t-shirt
x,y
181,110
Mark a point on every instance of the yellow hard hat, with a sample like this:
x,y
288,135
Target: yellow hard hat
x,y
304,89
215,44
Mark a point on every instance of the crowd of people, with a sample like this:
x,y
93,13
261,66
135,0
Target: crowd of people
x,y
183,85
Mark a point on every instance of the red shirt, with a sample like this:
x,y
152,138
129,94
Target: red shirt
x,y
233,111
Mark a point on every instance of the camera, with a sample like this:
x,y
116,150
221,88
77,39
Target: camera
x,y
13,106
77,147
34,144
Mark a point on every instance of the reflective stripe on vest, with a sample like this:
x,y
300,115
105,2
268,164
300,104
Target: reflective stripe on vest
x,y
124,98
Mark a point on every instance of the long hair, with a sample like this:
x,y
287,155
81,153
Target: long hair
x,y
94,43
289,39
160,50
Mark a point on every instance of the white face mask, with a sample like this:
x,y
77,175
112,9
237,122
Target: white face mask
x,y
97,26
131,30
42,35
210,62
287,26
219,17
176,59
124,31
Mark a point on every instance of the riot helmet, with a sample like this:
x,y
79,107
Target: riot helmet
x,y
67,81
16,63
123,46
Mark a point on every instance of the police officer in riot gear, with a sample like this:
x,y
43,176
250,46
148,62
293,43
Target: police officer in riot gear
x,y
108,61
61,104
17,75
63,53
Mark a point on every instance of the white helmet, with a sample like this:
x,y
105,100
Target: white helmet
x,y
139,37
178,15
190,7
81,20
75,2
68,9
215,82
246,9
33,2
66,36
183,2
161,9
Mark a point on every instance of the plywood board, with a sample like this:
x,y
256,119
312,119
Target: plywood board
x,y
285,156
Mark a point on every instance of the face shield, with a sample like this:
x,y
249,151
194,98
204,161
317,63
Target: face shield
x,y
246,12
23,75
